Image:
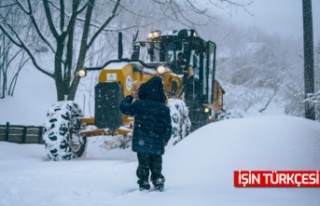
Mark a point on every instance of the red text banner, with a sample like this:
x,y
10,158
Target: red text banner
x,y
281,178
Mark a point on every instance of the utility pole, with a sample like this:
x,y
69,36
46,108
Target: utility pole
x,y
308,57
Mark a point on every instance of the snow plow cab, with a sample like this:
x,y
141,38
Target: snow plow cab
x,y
194,96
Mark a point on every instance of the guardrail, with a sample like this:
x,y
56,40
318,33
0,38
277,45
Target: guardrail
x,y
21,134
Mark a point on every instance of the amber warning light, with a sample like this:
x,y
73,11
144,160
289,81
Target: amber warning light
x,y
280,178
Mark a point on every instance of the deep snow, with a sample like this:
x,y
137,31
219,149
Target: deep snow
x,y
198,170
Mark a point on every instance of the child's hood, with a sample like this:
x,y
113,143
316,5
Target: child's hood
x,y
153,90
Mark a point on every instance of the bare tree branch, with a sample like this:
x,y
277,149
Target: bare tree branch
x,y
62,8
8,34
15,77
113,14
22,7
7,5
34,22
49,18
66,13
21,44
233,4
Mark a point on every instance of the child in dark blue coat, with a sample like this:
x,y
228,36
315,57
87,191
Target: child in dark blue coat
x,y
152,130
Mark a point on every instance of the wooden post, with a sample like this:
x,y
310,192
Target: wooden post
x,y
24,135
40,135
6,138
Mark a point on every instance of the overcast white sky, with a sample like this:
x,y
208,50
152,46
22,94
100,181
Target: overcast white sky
x,y
277,17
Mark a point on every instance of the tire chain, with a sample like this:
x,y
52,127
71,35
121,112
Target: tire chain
x,y
56,136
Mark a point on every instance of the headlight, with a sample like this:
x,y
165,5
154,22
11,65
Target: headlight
x,y
154,35
82,72
150,35
161,69
206,110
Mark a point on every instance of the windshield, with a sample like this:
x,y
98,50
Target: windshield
x,y
159,52
166,51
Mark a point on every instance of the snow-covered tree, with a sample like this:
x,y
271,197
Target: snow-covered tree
x,y
257,69
67,31
57,36
12,59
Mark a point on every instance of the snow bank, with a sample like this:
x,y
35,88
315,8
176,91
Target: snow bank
x,y
265,143
208,157
198,170
33,95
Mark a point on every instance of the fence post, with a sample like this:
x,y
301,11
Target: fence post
x,y
6,138
24,134
40,135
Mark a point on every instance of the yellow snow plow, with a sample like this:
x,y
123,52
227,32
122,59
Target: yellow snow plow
x,y
193,97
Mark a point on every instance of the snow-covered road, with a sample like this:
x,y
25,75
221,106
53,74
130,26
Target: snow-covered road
x,y
198,170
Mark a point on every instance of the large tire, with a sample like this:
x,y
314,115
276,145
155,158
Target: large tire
x,y
62,137
180,121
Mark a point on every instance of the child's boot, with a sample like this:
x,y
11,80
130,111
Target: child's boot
x,y
143,185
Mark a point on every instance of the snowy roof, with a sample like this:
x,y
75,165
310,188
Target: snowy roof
x,y
116,65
